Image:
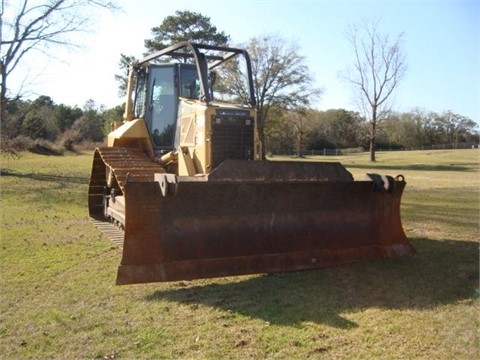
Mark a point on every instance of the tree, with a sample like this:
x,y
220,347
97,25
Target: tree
x,y
281,78
452,128
279,135
37,123
90,125
10,126
301,119
378,68
34,126
64,116
122,79
35,27
112,116
185,26
341,127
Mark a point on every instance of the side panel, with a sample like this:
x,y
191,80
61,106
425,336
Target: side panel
x,y
212,229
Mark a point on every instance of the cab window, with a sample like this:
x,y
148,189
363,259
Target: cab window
x,y
162,106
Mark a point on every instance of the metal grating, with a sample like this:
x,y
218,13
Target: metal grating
x,y
231,142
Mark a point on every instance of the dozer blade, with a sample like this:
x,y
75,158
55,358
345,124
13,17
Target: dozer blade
x,y
257,219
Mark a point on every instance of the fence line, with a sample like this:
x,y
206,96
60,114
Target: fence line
x,y
352,151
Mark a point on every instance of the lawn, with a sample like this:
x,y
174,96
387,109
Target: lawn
x,y
59,299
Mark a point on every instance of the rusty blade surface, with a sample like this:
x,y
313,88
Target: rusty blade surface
x,y
223,228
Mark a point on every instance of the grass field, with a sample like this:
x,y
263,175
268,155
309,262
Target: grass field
x,y
59,301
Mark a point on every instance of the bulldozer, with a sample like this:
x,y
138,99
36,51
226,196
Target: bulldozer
x,y
184,188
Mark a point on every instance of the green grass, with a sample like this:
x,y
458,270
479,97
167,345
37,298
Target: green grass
x,y
59,301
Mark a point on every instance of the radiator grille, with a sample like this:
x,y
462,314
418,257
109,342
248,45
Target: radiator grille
x,y
232,138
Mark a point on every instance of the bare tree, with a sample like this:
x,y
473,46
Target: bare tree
x,y
29,26
378,69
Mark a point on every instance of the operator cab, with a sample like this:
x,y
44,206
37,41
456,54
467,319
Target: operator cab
x,y
156,99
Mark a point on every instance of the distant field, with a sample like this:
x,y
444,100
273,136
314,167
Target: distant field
x,y
59,301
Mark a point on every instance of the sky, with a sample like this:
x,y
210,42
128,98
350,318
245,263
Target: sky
x,y
441,41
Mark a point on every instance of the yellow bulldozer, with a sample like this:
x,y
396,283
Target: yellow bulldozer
x,y
183,187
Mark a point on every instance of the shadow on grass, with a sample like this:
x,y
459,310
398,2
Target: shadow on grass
x,y
45,177
443,272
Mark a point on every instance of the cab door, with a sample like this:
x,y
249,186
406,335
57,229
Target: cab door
x,y
162,106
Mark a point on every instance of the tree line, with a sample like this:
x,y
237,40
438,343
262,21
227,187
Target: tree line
x,y
43,120
298,132
341,129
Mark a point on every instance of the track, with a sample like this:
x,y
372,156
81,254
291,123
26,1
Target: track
x,y
129,164
126,164
109,230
